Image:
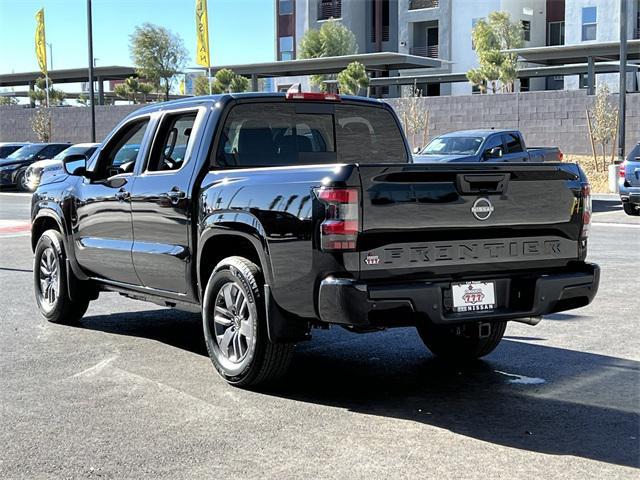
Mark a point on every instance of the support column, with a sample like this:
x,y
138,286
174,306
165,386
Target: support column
x,y
100,91
254,82
622,97
32,103
591,77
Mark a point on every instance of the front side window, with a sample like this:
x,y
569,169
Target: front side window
x,y
120,154
51,151
512,142
172,142
589,23
453,146
261,135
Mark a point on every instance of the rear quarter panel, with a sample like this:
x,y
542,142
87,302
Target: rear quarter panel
x,y
275,207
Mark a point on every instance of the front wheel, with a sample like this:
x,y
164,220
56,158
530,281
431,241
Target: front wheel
x,y
21,182
50,282
461,342
630,209
235,327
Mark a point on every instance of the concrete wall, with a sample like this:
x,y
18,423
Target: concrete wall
x,y
552,118
546,118
69,124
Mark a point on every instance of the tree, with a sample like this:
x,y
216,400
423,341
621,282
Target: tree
x,y
414,118
603,119
133,90
490,37
4,100
39,93
332,40
224,81
353,78
158,55
41,124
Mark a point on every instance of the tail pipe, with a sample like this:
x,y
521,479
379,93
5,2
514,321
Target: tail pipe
x,y
529,320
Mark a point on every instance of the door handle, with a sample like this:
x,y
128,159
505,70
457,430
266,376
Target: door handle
x,y
175,195
123,195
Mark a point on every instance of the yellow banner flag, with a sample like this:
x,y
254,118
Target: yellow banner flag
x,y
41,43
202,34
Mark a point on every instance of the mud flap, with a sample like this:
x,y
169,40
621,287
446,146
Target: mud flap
x,y
282,327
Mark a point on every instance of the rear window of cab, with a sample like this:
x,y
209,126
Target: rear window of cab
x,y
282,134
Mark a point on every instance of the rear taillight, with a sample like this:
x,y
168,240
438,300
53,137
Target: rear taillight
x,y
339,230
560,155
586,210
621,169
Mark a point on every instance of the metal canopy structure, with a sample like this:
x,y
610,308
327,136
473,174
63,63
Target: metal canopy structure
x,y
375,62
70,75
567,54
531,72
571,54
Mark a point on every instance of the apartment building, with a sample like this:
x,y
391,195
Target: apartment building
x,y
442,29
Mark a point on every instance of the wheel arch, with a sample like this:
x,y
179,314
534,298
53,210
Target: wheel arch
x,y
218,242
46,219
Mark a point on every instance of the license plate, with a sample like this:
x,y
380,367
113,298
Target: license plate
x,y
473,296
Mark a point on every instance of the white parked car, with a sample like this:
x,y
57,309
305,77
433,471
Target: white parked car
x,y
51,168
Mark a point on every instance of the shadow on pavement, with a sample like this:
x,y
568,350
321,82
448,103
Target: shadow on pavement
x,y
611,205
586,407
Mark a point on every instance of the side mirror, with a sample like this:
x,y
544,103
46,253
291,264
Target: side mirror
x,y
416,150
75,164
495,152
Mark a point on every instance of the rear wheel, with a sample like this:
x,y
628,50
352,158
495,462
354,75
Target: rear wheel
x,y
50,282
461,342
235,327
630,209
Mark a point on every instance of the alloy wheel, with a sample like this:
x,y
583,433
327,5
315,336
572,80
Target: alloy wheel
x,y
49,278
233,326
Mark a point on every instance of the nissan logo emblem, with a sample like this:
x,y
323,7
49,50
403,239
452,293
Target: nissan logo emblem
x,y
482,208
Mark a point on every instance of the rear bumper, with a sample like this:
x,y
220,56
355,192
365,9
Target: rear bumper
x,y
629,194
357,303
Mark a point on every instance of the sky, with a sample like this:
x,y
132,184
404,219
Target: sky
x,y
240,31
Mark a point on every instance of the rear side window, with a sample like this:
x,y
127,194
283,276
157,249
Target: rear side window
x,y
513,143
279,134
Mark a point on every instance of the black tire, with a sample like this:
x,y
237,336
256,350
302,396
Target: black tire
x,y
21,182
630,209
263,362
62,309
461,342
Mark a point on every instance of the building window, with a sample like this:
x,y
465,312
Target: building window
x,y
525,84
329,9
285,47
285,7
583,81
526,30
589,23
556,33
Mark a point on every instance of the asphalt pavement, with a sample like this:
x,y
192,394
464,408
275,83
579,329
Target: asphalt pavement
x,y
130,392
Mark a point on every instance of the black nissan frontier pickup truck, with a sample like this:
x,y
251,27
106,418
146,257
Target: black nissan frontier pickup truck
x,y
272,214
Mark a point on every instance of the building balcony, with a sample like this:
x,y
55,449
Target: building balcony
x,y
430,51
419,4
329,9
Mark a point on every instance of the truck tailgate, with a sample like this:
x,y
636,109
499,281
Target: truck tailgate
x,y
462,218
